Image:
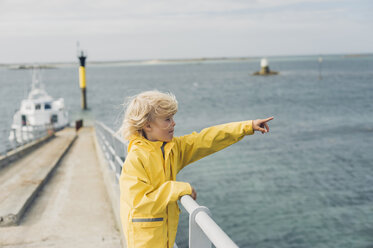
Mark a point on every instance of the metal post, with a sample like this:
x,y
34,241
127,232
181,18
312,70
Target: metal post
x,y
7,143
29,138
217,236
82,81
15,142
197,238
21,135
37,130
320,62
203,231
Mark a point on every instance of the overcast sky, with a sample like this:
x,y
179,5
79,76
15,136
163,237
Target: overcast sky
x,y
47,30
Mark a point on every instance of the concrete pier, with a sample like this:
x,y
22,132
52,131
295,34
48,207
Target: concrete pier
x,y
68,202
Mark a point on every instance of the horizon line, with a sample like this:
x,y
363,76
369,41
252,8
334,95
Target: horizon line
x,y
186,59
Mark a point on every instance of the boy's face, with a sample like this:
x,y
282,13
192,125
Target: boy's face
x,y
161,129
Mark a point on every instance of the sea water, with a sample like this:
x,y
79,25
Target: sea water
x,y
306,183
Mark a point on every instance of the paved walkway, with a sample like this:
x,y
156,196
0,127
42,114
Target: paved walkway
x,y
72,209
21,180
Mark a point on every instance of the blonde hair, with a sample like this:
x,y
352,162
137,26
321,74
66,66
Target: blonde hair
x,y
145,107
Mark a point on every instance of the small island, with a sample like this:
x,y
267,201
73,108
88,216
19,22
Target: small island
x,y
265,71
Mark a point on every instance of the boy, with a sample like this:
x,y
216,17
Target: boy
x,y
148,187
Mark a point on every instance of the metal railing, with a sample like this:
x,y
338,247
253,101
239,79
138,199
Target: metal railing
x,y
24,136
203,230
113,147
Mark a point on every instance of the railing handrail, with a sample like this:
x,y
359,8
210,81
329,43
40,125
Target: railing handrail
x,y
33,133
109,130
203,230
200,215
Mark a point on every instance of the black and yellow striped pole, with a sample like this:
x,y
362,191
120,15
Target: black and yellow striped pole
x,y
82,82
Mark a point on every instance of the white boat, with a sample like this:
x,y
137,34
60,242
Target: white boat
x,y
39,113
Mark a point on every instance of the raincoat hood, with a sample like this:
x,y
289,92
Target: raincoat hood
x,y
139,140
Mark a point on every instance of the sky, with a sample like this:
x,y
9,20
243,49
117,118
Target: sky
x,y
40,31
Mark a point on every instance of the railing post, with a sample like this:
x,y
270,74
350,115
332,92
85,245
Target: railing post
x,y
6,144
15,142
28,132
203,231
197,237
21,131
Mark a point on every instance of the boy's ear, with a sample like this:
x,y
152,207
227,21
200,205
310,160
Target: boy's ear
x,y
147,127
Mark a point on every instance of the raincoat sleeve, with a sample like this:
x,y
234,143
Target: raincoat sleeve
x,y
198,145
141,195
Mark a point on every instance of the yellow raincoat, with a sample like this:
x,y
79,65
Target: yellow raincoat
x,y
148,190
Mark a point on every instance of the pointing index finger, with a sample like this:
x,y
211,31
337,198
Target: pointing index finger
x,y
268,119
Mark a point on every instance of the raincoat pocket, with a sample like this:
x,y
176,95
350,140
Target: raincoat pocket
x,y
148,232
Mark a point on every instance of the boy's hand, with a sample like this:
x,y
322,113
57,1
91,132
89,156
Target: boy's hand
x,y
194,194
261,125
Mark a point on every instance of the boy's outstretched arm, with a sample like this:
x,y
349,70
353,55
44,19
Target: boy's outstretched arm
x,y
198,145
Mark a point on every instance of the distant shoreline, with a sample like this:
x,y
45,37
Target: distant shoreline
x,y
55,65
